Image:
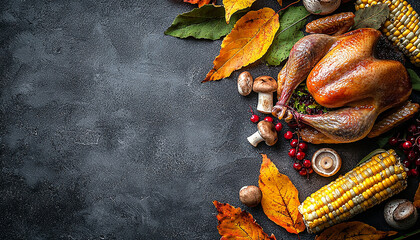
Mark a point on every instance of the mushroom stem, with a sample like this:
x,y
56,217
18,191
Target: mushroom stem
x,y
255,138
265,102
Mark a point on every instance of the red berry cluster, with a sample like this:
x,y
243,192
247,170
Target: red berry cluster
x,y
297,152
255,119
411,148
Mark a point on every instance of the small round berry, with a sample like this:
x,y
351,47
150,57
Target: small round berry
x,y
268,119
292,152
254,118
300,155
303,146
418,162
309,170
412,128
407,145
406,164
279,127
411,155
393,141
414,172
297,166
303,172
412,139
294,143
307,163
288,135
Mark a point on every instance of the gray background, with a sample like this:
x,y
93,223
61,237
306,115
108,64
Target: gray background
x,y
107,132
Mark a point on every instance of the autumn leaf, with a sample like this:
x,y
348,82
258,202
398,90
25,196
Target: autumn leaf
x,y
280,198
249,40
417,198
291,23
354,231
207,22
237,224
371,17
231,6
200,2
280,2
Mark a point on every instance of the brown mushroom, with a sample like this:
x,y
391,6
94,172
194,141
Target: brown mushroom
x,y
326,162
266,132
400,214
321,7
265,86
250,195
245,82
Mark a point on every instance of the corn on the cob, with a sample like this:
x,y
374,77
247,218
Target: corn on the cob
x,y
363,187
402,27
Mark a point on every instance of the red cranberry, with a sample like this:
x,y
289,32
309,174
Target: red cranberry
x,y
254,118
268,119
412,139
303,172
406,164
393,141
297,166
407,145
412,128
309,170
418,162
307,163
303,146
292,152
300,155
279,127
411,155
294,143
288,135
414,172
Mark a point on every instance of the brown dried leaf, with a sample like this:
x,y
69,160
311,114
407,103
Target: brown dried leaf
x,y
416,200
354,231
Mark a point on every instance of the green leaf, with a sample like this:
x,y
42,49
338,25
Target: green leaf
x,y
291,23
370,155
382,140
207,22
371,17
415,79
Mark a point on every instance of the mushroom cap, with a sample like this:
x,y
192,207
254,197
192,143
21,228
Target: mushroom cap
x,y
245,83
400,214
250,195
265,84
321,7
326,162
268,132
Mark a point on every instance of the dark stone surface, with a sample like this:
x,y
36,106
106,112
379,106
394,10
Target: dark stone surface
x,y
107,133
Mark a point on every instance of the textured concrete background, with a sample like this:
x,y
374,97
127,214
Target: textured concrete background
x,y
107,132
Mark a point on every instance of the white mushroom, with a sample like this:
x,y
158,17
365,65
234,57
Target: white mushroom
x,y
400,214
266,132
326,162
245,82
321,7
250,195
265,86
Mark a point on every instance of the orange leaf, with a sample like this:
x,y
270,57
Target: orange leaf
x,y
417,198
231,6
353,231
200,2
280,198
237,224
280,2
248,41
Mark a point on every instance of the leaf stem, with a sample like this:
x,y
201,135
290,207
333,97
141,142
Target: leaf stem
x,y
408,235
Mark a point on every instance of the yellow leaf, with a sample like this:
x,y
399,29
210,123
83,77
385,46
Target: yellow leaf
x,y
237,224
248,41
417,198
280,2
353,231
280,198
231,6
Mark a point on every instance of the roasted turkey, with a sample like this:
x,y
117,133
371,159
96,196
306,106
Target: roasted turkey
x,y
344,73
